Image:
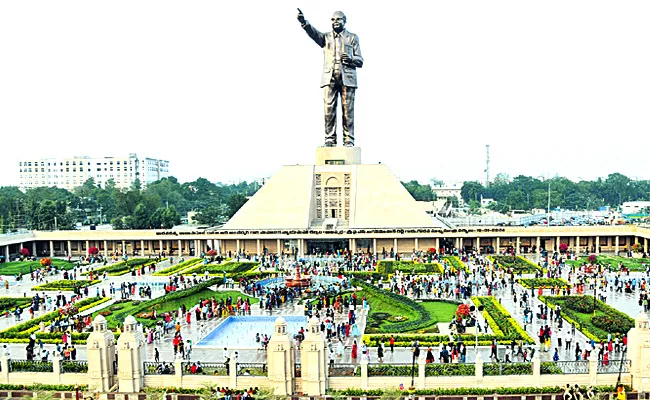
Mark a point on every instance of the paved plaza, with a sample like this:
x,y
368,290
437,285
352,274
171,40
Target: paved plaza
x,y
194,331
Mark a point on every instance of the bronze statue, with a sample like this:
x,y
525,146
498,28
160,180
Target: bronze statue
x,y
342,58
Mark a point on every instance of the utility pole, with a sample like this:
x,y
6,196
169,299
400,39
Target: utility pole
x,y
548,205
487,165
55,224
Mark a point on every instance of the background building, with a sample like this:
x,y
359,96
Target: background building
x,y
68,173
447,191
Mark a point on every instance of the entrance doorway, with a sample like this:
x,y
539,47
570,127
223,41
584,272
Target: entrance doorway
x,y
326,246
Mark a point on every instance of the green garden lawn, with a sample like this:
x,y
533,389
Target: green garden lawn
x,y
168,306
22,267
633,264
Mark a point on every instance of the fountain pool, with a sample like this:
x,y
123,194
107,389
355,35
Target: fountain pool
x,y
239,332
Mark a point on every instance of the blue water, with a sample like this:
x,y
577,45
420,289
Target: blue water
x,y
240,331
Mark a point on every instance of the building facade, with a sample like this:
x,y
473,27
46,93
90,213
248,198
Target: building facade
x,y
69,173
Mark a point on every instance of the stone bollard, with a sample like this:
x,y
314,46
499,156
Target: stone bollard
x,y
593,368
478,369
4,372
178,371
363,364
537,375
56,367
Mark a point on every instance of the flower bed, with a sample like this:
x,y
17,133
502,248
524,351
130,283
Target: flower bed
x,y
578,310
518,264
545,283
457,264
65,284
386,267
178,267
469,391
122,267
235,267
20,333
633,264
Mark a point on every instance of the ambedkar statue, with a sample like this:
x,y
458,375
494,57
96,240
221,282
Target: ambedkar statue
x,y
342,58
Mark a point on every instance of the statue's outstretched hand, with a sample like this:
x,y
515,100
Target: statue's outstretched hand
x,y
301,17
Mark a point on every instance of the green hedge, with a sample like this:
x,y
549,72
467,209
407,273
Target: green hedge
x,y
491,369
516,263
386,267
10,303
500,320
121,268
38,387
20,333
543,282
470,391
65,284
233,268
449,370
178,267
457,264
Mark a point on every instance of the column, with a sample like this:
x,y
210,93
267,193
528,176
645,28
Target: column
x,y
645,245
142,247
417,247
7,253
616,244
87,247
180,248
577,245
52,247
257,243
351,245
477,244
457,243
34,248
238,248
160,246
395,245
497,248
437,244
300,248
557,243
105,248
597,245
278,249
517,249
69,249
374,246
539,242
123,247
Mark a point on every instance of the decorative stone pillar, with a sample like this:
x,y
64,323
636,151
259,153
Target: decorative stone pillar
x,y
258,247
577,245
497,248
34,248
52,248
313,357
597,246
557,243
131,355
616,246
238,246
123,247
105,248
638,352
417,247
101,356
142,247
537,376
87,248
395,246
278,245
437,244
180,248
281,359
69,249
160,246
422,373
477,244
363,364
517,249
539,244
593,368
374,246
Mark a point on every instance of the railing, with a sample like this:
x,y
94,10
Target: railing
x,y
297,369
614,366
158,368
468,369
565,367
30,366
74,366
344,370
493,369
392,369
252,369
222,369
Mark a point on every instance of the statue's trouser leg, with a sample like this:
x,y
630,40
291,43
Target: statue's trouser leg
x,y
347,106
330,98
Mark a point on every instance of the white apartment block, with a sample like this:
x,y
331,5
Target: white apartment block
x,y
69,173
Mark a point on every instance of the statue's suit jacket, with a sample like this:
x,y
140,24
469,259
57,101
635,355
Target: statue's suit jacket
x,y
326,41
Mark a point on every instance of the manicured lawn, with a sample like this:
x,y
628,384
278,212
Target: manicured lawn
x,y
235,267
10,303
441,311
22,267
633,264
125,308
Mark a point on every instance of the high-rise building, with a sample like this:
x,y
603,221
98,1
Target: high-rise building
x,y
69,173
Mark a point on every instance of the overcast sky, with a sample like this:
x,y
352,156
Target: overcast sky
x,y
229,90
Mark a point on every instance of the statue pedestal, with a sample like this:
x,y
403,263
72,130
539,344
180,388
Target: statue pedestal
x,y
338,155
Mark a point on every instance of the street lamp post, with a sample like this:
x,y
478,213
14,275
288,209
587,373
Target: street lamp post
x,y
472,313
414,349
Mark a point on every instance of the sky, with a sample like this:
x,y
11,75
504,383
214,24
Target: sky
x,y
229,90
